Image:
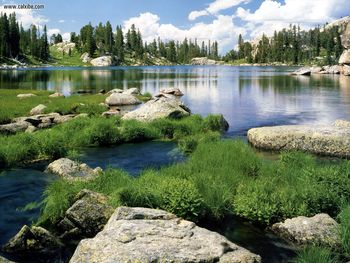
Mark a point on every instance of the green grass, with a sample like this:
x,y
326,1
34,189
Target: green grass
x,y
95,131
222,178
344,218
316,255
60,59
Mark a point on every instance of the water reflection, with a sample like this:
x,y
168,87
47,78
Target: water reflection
x,y
247,96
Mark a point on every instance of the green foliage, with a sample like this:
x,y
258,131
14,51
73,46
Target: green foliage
x,y
103,132
315,254
134,131
344,218
189,144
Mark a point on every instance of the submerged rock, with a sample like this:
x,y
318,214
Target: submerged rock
x,y
86,217
331,140
149,235
28,95
72,170
120,99
319,230
302,71
31,241
159,108
38,110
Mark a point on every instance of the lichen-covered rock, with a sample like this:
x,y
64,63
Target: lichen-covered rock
x,y
87,216
85,57
115,91
38,109
162,107
335,69
346,70
72,170
30,241
328,140
320,229
132,91
148,235
342,124
120,99
27,95
63,118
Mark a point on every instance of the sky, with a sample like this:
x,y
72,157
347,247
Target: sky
x,y
219,20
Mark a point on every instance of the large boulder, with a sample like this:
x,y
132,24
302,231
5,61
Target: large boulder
x,y
148,235
15,127
346,70
159,108
120,99
172,91
65,47
320,229
104,61
328,140
132,91
86,217
302,71
72,170
335,69
85,57
345,57
202,61
31,241
38,110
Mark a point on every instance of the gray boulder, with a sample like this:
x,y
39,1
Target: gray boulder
x,y
302,71
63,118
148,235
27,95
342,124
346,70
315,69
85,57
86,217
335,69
38,110
320,229
132,91
111,113
202,61
104,61
13,128
56,95
345,57
331,140
30,241
115,91
159,108
72,170
120,99
172,91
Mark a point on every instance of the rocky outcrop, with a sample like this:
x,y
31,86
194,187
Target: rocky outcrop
x,y
328,140
86,217
38,110
72,170
13,128
65,47
115,91
132,91
104,61
32,241
320,229
345,57
85,57
148,235
171,91
120,99
302,71
346,70
202,61
26,95
335,69
159,108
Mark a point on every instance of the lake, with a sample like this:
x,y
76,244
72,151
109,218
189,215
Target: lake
x,y
246,96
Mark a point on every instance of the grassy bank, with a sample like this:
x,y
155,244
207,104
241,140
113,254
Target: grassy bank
x,y
81,132
222,177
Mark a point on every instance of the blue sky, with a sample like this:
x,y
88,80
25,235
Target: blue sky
x,y
220,20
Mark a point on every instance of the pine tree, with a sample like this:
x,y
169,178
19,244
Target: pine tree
x,y
119,44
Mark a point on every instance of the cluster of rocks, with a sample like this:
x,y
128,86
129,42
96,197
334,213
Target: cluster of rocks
x,y
335,69
202,61
330,140
37,121
65,47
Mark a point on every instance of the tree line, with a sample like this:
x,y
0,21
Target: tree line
x,y
15,42
292,45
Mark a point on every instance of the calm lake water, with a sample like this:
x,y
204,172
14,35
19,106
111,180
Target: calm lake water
x,y
246,96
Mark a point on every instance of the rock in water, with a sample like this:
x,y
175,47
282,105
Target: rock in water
x,y
172,91
32,241
320,230
345,57
71,170
328,140
159,108
120,99
132,91
148,235
302,71
87,216
38,110
104,61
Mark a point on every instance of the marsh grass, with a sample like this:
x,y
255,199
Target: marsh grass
x,y
316,255
344,218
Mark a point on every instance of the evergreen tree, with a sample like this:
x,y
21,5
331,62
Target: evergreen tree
x,y
119,44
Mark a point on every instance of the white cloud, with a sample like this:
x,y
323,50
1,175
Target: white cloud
x,y
26,17
221,29
53,31
66,36
215,7
273,15
61,21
